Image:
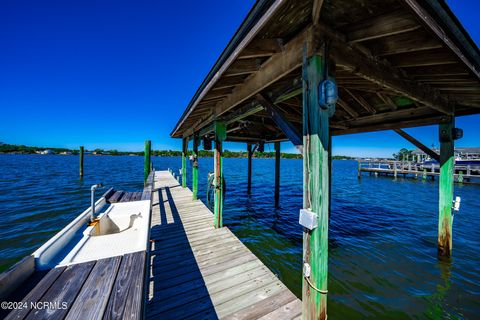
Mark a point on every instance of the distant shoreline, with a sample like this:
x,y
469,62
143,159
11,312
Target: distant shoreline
x,y
21,149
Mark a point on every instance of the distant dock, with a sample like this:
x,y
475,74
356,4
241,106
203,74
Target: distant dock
x,y
412,169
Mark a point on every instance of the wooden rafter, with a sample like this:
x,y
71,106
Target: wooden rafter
x,y
386,25
361,101
387,100
429,21
348,109
316,10
365,66
273,69
262,48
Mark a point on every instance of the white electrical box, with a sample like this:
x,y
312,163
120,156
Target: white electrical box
x,y
308,219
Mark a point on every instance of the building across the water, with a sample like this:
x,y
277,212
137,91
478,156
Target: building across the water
x,y
468,153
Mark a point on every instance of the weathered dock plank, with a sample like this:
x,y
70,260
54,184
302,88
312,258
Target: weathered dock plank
x,y
111,288
90,303
199,271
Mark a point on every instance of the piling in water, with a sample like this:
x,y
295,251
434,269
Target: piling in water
x,y
146,168
81,161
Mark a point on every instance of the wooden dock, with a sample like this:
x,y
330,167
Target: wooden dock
x,y
198,271
412,169
110,288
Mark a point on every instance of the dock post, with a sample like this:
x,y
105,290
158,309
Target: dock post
x,y
359,172
315,191
184,162
277,174
196,141
249,178
220,136
81,161
395,169
146,165
445,201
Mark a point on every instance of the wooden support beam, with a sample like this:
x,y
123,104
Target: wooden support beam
x,y
261,48
393,124
228,82
277,174
418,144
220,136
384,25
81,161
184,161
315,193
147,166
348,109
386,99
279,65
361,101
196,142
406,42
445,202
243,67
277,116
249,175
422,59
316,10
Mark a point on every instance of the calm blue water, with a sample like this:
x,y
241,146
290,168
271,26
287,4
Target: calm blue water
x,y
383,257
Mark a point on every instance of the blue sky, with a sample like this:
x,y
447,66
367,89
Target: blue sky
x,y
111,74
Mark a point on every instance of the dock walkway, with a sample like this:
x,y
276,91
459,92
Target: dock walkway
x,y
197,271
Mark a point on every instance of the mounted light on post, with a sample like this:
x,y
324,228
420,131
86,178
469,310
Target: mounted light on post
x,y
327,89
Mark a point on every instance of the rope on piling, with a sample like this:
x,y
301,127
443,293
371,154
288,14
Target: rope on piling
x,y
315,288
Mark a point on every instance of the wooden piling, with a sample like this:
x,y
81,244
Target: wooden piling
x,y
146,166
196,141
184,162
81,161
447,165
220,135
315,192
277,174
249,178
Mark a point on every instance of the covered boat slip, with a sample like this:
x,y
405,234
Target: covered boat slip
x,y
201,272
305,71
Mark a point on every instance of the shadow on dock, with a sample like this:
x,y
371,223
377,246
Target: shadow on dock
x,y
179,290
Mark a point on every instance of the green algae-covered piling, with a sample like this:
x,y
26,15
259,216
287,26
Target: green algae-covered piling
x,y
315,193
249,179
146,165
220,135
184,162
81,160
447,164
196,141
277,174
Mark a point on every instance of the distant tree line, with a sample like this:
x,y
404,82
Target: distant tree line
x,y
10,148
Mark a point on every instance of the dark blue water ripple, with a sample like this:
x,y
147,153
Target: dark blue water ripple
x,y
382,256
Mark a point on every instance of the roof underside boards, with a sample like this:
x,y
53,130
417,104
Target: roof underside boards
x,y
398,63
